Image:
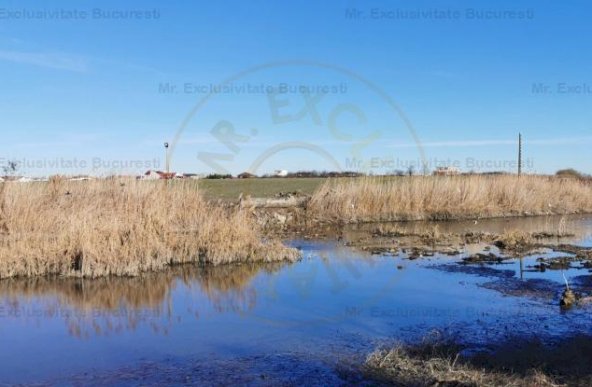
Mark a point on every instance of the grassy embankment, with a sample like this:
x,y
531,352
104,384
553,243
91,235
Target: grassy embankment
x,y
230,189
100,228
441,198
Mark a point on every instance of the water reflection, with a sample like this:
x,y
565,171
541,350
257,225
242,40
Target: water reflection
x,y
331,281
579,225
228,287
112,305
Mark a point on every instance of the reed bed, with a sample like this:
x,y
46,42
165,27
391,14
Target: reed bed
x,y
370,199
122,228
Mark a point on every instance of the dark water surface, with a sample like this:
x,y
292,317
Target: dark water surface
x,y
276,323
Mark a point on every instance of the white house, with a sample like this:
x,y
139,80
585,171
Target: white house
x,y
281,173
192,176
157,175
80,178
151,175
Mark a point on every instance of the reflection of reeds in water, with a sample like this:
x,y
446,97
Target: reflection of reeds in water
x,y
145,291
92,229
515,231
227,287
115,304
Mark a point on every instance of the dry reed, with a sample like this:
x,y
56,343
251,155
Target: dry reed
x,y
443,360
401,368
114,227
455,197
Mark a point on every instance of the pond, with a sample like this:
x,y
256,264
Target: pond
x,y
279,323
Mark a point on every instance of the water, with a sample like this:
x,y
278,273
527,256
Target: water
x,y
274,323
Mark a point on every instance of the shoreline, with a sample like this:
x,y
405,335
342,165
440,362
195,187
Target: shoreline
x,y
125,227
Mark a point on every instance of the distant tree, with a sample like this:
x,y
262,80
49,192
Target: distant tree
x,y
570,173
246,175
425,170
411,170
324,174
10,168
218,176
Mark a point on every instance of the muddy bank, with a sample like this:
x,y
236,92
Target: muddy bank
x,y
478,247
290,213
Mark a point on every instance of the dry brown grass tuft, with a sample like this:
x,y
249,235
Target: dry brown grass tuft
x,y
514,239
441,360
454,197
400,367
116,227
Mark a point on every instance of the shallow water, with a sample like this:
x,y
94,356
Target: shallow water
x,y
577,224
276,323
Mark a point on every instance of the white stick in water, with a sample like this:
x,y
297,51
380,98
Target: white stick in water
x,y
565,279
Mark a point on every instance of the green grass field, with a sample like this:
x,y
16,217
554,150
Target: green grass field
x,y
230,189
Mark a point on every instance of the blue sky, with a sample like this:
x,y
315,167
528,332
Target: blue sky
x,y
90,87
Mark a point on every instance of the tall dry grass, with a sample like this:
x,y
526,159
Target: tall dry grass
x,y
122,228
454,197
401,368
441,360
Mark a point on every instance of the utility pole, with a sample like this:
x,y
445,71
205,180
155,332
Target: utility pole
x,y
519,154
166,153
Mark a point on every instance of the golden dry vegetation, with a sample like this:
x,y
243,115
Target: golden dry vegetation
x,y
448,197
121,227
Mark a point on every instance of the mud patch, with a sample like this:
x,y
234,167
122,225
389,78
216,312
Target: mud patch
x,y
537,288
479,271
489,258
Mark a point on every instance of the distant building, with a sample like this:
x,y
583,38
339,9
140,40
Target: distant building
x,y
246,175
192,176
446,171
80,178
281,173
151,175
159,175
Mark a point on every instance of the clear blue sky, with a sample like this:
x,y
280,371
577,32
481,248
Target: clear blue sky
x,y
86,82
